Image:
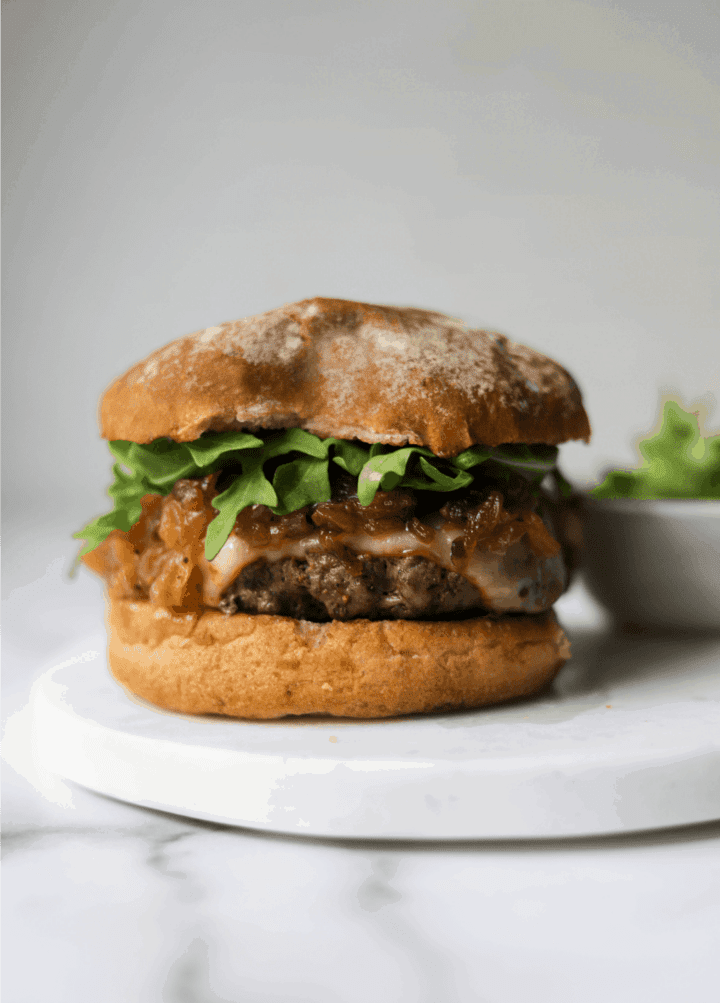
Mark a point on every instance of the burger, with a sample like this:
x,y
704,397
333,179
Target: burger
x,y
336,508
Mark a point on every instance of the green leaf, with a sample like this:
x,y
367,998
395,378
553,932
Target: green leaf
x,y
253,488
472,457
126,489
300,441
384,470
303,482
159,463
439,481
127,493
527,460
208,450
564,486
677,463
351,456
98,530
708,479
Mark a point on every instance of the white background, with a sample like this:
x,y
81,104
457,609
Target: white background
x,y
549,169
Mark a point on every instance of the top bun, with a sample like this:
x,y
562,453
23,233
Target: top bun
x,y
353,371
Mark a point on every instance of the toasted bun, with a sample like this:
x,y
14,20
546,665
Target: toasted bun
x,y
273,666
350,370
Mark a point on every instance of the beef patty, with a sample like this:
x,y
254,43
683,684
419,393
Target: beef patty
x,y
337,586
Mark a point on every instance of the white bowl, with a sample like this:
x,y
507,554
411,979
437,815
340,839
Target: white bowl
x,y
655,562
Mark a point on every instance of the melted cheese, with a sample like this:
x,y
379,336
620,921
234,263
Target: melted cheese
x,y
517,580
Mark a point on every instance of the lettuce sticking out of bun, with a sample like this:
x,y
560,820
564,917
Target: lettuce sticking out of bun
x,y
303,480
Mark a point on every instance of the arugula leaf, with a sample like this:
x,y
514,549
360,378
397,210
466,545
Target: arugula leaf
x,y
303,480
157,463
443,481
99,530
678,462
472,457
252,488
385,470
207,450
127,492
299,440
153,469
351,456
527,460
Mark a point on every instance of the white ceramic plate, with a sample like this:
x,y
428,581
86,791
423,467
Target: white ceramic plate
x,y
627,738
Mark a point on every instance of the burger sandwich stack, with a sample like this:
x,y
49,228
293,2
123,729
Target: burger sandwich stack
x,y
336,508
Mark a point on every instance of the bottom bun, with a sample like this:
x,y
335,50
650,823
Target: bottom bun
x,y
256,666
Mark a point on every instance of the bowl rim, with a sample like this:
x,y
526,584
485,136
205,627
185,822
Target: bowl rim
x,y
685,507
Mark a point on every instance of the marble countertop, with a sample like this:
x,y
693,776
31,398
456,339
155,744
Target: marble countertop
x,y
106,901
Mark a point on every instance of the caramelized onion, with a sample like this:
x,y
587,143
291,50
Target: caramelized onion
x,y
422,531
162,557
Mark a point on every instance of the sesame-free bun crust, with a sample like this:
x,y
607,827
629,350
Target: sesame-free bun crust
x,y
272,666
350,370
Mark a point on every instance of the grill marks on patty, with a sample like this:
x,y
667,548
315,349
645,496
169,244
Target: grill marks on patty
x,y
328,586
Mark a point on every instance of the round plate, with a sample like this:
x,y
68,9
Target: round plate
x,y
627,738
